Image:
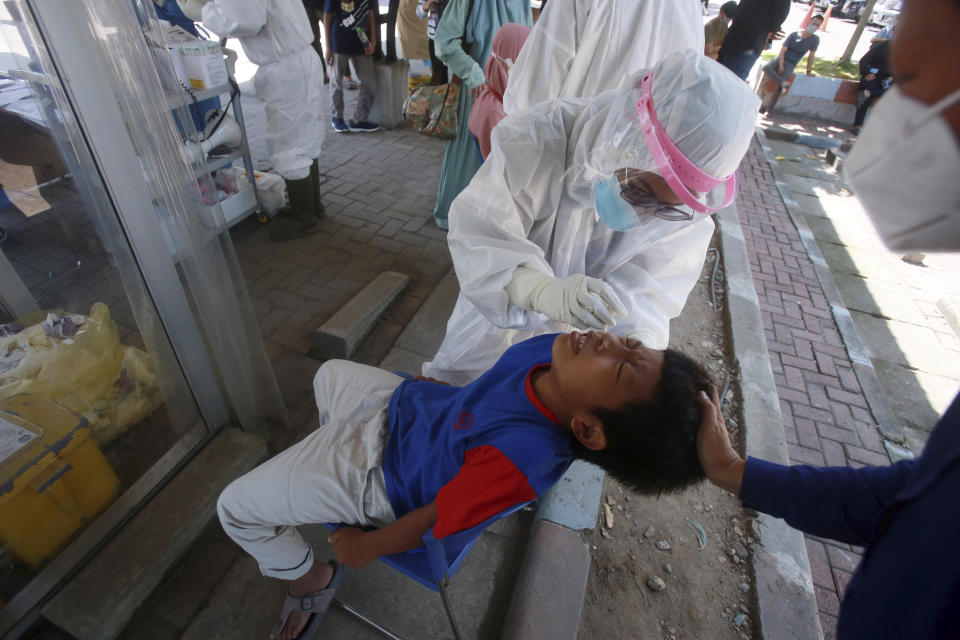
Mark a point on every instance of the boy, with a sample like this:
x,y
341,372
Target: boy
x,y
351,37
716,30
410,455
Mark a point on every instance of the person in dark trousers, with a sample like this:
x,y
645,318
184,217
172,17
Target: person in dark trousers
x,y
904,169
755,22
875,78
315,15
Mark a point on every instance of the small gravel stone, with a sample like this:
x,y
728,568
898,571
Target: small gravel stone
x,y
663,545
649,532
668,568
656,583
740,550
739,619
738,531
744,587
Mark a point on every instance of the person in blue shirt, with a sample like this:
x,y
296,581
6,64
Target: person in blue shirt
x,y
409,456
904,169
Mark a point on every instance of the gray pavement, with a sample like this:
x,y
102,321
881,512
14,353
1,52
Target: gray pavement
x,y
893,303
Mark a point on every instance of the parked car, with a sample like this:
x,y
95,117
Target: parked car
x,y
852,9
886,12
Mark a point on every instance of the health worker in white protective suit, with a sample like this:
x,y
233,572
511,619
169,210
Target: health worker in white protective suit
x,y
581,48
595,212
277,37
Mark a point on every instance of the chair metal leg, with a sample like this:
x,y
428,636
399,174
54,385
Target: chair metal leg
x,y
390,634
446,607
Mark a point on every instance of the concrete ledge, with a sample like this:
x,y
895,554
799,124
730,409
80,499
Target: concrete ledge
x,y
548,595
102,598
573,502
818,96
887,422
340,336
786,604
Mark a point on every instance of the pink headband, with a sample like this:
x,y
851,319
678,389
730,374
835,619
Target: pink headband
x,y
680,174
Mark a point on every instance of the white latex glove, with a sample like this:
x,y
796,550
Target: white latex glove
x,y
584,302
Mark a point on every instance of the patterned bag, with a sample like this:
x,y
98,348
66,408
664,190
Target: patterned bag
x,y
434,109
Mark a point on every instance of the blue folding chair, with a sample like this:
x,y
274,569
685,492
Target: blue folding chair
x,y
431,565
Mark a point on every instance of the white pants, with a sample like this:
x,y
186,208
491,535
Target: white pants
x,y
333,475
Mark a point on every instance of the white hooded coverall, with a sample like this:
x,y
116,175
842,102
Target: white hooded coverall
x,y
532,204
581,48
276,35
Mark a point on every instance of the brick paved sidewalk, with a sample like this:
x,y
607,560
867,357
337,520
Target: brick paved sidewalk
x,y
826,418
379,191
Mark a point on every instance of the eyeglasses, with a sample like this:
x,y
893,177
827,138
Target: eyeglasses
x,y
644,197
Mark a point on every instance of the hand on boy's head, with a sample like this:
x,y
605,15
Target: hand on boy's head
x,y
349,547
716,454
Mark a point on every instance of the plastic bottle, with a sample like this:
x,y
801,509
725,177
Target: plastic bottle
x,y
364,40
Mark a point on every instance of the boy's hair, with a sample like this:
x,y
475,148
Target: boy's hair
x,y
729,9
652,446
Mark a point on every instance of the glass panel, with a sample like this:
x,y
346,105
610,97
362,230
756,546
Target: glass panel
x,y
91,393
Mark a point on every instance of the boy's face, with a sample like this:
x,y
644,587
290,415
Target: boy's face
x,y
597,369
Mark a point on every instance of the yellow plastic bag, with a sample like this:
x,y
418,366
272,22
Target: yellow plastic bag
x,y
78,362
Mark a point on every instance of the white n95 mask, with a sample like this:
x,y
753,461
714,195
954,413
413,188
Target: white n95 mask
x,y
905,169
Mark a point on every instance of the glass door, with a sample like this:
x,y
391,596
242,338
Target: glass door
x,y
126,336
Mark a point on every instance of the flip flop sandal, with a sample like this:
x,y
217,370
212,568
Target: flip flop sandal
x,y
315,603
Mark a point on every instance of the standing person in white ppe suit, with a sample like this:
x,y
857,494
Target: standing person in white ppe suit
x,y
589,212
277,37
581,48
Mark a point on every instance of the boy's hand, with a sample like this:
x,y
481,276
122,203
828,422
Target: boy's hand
x,y
369,49
723,466
350,548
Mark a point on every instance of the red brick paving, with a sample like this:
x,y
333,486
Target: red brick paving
x,y
825,415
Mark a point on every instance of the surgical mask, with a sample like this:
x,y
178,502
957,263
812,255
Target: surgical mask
x,y
614,211
904,168
812,29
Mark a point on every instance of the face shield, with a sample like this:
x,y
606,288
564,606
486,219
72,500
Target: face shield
x,y
669,145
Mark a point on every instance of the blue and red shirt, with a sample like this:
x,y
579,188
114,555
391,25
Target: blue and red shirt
x,y
477,449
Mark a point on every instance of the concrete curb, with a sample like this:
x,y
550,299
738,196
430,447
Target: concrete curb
x,y
786,604
887,422
548,595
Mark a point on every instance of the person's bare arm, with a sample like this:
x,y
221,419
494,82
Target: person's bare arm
x,y
810,57
781,58
356,548
373,34
723,466
327,40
